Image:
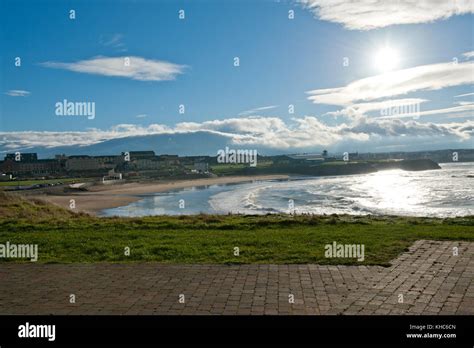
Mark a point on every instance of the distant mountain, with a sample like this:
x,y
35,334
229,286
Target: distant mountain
x,y
207,143
184,144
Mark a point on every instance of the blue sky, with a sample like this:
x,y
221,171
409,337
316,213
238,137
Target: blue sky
x,y
281,61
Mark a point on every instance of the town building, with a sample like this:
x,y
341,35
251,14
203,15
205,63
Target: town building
x,y
82,163
29,165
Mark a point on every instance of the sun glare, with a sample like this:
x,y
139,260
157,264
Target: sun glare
x,y
386,59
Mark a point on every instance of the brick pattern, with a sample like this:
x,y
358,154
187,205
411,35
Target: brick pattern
x,y
430,278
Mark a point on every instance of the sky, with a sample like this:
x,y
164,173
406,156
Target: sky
x,y
366,76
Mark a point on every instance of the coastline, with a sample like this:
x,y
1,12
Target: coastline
x,y
100,197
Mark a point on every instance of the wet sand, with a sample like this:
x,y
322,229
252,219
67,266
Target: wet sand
x,y
101,197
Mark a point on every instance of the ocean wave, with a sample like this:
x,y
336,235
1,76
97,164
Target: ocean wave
x,y
431,193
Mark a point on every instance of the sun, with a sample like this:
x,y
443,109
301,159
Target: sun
x,y
386,59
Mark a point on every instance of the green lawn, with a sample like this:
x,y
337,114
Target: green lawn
x,y
337,163
39,181
64,237
235,168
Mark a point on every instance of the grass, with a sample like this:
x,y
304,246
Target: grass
x,y
39,181
235,168
66,237
337,163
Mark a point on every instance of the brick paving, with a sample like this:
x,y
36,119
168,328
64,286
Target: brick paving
x,y
428,276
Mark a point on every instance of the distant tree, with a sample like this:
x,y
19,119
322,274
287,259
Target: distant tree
x,y
325,153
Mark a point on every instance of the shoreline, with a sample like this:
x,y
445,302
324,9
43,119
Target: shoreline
x,y
100,197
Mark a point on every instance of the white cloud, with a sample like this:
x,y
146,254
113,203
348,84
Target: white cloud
x,y
271,132
372,14
464,106
397,128
356,110
468,115
114,41
138,68
256,110
464,103
469,54
425,77
141,116
463,95
17,93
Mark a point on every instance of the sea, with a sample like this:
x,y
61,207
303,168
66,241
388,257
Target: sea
x,y
447,192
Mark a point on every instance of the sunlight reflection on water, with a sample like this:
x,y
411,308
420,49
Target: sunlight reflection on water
x,y
445,192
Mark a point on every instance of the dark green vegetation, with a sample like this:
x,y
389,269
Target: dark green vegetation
x,y
65,237
287,166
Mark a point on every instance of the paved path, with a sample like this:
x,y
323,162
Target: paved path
x,y
430,278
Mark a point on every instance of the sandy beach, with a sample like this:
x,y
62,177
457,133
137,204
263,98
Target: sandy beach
x,y
101,197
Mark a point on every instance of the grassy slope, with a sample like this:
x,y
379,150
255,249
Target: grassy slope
x,y
40,181
64,236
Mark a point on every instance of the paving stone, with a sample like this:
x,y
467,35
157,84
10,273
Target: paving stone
x,y
430,278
